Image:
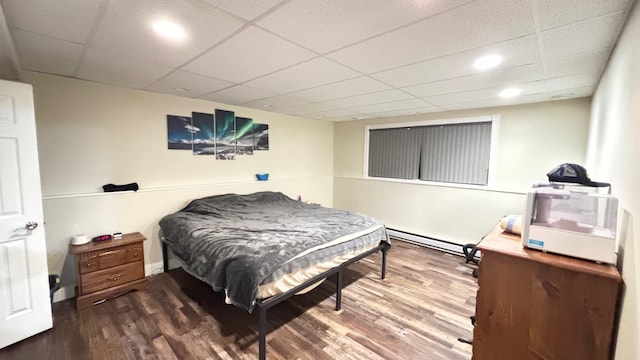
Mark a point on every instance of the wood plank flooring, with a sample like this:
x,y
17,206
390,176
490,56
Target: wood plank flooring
x,y
417,312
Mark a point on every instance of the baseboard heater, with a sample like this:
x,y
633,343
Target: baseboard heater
x,y
437,244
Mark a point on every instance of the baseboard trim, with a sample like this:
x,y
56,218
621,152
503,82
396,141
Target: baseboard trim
x,y
64,293
432,243
153,269
158,267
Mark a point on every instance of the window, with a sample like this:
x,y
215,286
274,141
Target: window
x,y
453,151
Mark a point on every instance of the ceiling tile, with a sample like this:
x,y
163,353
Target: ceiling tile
x,y
317,58
238,94
497,78
406,112
278,102
497,102
310,74
126,29
573,93
327,25
246,9
590,61
529,88
446,33
69,20
184,83
41,53
392,106
573,81
328,115
307,109
351,87
249,54
594,34
369,99
515,52
113,69
554,13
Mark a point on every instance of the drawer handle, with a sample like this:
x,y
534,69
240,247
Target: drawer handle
x,y
89,264
109,253
114,277
135,254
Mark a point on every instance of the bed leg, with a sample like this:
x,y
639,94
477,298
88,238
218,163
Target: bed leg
x,y
384,262
262,334
165,261
339,291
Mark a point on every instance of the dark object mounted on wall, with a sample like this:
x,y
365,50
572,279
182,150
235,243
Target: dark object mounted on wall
x,y
127,187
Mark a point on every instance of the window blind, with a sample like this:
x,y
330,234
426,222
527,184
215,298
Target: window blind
x,y
453,153
457,153
394,153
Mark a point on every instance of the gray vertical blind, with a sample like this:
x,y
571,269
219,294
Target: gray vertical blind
x,y
455,153
394,153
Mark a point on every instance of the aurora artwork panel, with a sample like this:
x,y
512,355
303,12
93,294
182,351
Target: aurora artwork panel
x,y
260,136
179,132
203,134
244,136
225,134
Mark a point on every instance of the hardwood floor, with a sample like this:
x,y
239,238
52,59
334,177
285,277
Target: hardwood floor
x,y
417,312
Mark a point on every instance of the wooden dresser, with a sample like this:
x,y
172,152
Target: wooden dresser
x,y
536,305
109,268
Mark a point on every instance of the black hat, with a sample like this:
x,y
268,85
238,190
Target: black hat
x,y
573,173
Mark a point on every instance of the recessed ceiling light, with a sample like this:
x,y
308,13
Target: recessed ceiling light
x,y
358,118
487,62
169,30
182,90
510,92
267,106
415,112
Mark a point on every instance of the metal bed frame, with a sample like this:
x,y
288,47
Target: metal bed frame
x,y
263,305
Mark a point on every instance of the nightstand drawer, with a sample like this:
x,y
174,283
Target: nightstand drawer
x,y
111,258
134,253
88,265
103,279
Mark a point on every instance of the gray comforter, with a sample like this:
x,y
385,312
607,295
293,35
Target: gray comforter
x,y
237,242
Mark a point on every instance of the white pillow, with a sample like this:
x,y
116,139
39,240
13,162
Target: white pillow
x,y
512,224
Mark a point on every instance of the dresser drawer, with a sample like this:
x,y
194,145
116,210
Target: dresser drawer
x,y
103,279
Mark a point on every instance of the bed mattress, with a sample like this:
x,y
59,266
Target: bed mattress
x,y
257,245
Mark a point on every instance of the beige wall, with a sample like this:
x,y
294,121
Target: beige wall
x,y
532,140
91,134
612,156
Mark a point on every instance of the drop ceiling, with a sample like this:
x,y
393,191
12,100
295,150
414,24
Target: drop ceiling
x,y
334,60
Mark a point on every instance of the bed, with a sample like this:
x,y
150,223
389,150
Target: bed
x,y
263,248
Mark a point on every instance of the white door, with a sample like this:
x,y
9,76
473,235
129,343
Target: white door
x,y
24,286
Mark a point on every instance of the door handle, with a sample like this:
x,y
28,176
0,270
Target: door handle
x,y
31,225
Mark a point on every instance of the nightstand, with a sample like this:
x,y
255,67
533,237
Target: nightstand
x,y
109,268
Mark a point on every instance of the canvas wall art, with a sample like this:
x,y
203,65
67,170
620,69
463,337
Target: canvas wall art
x,y
260,136
244,136
225,135
179,132
203,130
